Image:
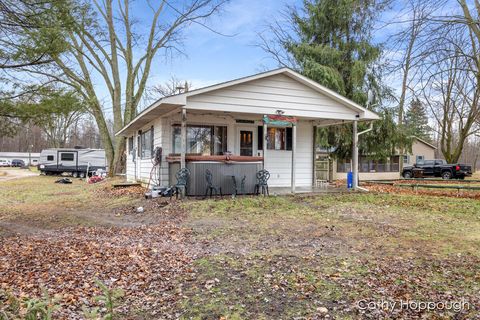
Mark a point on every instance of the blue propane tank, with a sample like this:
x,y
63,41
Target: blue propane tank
x,y
350,180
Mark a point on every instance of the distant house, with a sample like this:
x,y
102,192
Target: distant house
x,y
25,156
331,169
235,128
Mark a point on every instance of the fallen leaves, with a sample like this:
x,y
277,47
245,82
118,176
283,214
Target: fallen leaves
x,y
392,189
143,261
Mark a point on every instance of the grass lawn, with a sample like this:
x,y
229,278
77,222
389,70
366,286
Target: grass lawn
x,y
291,257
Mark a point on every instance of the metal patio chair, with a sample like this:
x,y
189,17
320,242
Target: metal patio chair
x,y
262,182
210,186
182,181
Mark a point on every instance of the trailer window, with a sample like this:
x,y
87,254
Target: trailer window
x,y
67,157
50,158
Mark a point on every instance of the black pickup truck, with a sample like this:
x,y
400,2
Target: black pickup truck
x,y
438,168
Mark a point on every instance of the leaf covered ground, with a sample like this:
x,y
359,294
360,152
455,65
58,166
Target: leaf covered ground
x,y
302,257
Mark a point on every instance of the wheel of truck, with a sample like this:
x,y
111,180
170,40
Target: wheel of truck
x,y
74,174
82,175
407,175
446,175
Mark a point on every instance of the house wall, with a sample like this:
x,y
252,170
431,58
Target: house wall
x,y
369,175
266,95
278,161
420,149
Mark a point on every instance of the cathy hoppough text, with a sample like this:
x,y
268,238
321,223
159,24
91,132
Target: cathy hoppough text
x,y
394,305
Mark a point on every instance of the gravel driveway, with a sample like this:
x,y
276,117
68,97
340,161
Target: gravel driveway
x,y
11,173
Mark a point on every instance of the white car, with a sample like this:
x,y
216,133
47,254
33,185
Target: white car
x,y
5,163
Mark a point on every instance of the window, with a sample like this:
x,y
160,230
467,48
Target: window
x,y
146,144
406,159
67,156
370,165
50,158
428,162
201,140
277,138
344,165
130,145
420,159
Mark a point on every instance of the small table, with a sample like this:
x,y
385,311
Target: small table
x,y
242,185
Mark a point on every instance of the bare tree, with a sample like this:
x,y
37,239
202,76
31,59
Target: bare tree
x,y
451,90
102,45
170,87
409,46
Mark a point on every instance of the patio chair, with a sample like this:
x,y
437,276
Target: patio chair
x,y
242,185
182,180
262,182
210,186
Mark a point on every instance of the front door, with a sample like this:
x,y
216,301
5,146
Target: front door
x,y
67,160
246,143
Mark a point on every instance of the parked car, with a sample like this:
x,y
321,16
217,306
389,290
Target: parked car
x,y
439,168
4,163
18,163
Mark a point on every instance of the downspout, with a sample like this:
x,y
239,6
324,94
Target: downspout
x,y
358,135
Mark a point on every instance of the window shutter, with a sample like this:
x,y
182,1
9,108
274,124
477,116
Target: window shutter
x,y
288,138
260,138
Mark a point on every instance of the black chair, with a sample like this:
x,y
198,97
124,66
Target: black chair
x,y
182,180
242,185
262,182
210,186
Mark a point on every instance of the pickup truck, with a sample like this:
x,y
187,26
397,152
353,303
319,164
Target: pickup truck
x,y
439,168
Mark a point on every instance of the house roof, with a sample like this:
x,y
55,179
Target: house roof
x,y
172,102
425,143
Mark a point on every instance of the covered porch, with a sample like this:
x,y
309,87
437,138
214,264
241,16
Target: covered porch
x,y
237,145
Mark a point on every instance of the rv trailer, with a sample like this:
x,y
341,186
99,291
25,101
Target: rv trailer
x,y
75,161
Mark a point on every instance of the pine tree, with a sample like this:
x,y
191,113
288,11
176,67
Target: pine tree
x,y
333,46
416,120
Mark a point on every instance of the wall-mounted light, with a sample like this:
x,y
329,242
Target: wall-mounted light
x,y
280,112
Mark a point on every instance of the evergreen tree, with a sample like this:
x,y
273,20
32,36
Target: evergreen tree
x,y
416,120
333,46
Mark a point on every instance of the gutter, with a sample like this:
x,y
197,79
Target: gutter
x,y
358,135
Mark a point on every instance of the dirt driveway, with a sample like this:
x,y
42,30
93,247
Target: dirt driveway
x,y
7,174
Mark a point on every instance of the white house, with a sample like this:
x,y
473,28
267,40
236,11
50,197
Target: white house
x,y
266,120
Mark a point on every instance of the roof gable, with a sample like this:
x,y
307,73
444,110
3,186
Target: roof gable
x,y
280,75
279,89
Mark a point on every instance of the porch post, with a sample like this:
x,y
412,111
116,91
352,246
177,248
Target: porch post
x,y
294,155
355,156
265,136
183,138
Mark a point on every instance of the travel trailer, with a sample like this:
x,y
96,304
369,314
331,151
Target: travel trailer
x,y
76,161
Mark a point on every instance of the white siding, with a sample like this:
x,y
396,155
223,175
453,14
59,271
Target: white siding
x,y
278,162
140,171
270,94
